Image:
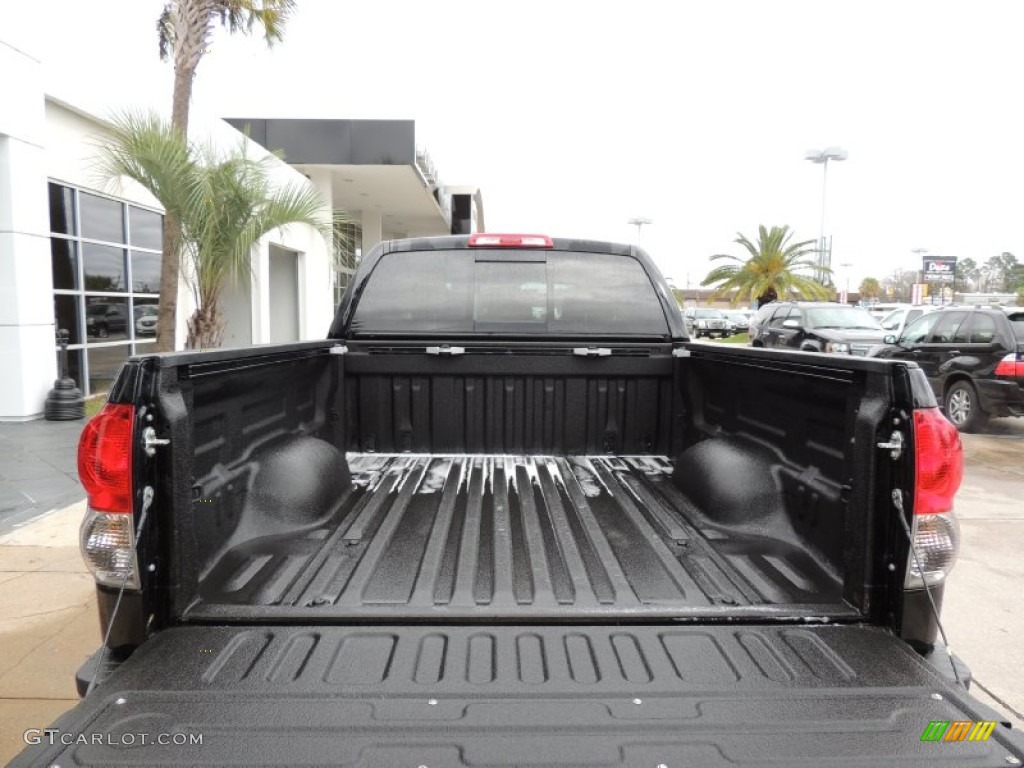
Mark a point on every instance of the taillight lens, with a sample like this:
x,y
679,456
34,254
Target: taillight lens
x,y
107,541
1011,367
939,468
939,458
105,459
936,542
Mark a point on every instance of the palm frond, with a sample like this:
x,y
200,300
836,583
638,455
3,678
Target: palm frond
x,y
143,147
165,32
271,16
729,256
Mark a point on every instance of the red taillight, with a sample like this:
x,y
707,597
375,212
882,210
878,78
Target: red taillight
x,y
105,459
939,458
481,240
1011,366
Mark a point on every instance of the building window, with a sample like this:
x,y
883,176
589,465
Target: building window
x,y
105,255
347,253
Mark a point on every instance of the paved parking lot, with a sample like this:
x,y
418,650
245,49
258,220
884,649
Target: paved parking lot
x,y
38,469
984,603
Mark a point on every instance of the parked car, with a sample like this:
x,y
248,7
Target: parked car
x,y
898,319
706,322
819,327
103,319
881,309
145,320
973,358
760,317
739,320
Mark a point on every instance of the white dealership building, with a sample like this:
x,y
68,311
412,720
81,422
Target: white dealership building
x,y
81,257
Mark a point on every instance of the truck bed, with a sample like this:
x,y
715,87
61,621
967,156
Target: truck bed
x,y
465,536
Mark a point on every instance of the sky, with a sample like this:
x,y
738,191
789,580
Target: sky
x,y
574,117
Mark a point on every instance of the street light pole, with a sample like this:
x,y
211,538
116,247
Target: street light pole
x,y
639,222
821,157
846,291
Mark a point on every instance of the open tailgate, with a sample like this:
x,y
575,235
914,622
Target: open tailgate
x,y
528,695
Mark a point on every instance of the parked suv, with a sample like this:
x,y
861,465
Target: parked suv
x,y
101,320
759,318
818,327
973,358
706,322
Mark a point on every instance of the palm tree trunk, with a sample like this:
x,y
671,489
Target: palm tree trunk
x,y
205,328
167,312
170,264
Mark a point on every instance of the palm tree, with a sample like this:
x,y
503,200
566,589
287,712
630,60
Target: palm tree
x,y
771,269
184,30
225,203
870,288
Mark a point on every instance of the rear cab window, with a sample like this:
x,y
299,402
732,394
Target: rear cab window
x,y
509,292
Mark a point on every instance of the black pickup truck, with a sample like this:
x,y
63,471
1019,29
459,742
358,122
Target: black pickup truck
x,y
507,514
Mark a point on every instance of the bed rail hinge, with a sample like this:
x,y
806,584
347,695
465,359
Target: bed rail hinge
x,y
591,351
894,446
446,350
680,352
339,349
150,441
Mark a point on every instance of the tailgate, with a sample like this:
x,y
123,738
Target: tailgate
x,y
529,695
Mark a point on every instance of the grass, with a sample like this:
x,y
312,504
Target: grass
x,y
739,338
93,405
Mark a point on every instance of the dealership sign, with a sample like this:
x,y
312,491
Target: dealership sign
x,y
939,269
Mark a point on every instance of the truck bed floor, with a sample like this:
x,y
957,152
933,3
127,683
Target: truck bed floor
x,y
518,536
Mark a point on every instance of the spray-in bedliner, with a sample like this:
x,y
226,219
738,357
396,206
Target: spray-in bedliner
x,y
464,536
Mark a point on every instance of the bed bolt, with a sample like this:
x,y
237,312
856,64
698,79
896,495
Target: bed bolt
x,y
892,566
432,702
121,701
937,696
1011,760
151,568
638,701
662,765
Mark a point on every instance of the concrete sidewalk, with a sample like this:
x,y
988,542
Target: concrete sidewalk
x,y
48,624
48,619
